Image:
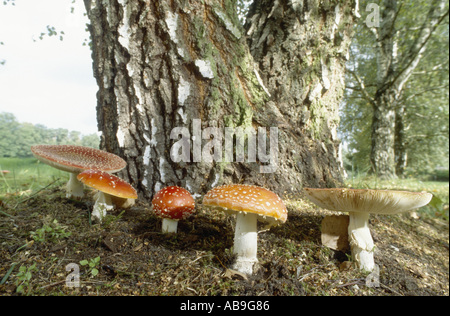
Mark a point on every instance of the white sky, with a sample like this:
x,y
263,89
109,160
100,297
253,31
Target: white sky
x,y
47,81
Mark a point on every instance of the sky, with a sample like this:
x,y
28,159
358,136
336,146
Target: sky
x,y
48,81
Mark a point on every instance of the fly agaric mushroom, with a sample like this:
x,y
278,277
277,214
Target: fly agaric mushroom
x,y
359,203
250,203
107,185
172,204
76,159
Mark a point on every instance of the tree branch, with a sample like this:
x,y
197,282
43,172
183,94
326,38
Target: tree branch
x,y
424,91
362,87
412,59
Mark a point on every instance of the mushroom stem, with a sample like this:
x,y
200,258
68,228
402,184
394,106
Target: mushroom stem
x,y
74,187
361,242
245,242
102,204
169,225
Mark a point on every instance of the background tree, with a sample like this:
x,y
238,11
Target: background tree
x,y
381,69
17,138
160,65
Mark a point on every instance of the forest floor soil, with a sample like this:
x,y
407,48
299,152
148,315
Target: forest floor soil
x,y
46,232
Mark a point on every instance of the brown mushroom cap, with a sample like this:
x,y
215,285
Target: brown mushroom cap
x,y
107,183
174,203
367,201
250,199
76,159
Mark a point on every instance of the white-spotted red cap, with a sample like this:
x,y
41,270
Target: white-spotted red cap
x,y
248,198
367,201
77,158
107,183
174,203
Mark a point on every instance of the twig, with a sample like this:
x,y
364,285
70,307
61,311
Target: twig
x,y
52,284
390,289
356,282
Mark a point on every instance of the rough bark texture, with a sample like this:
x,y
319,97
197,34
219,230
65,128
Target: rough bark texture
x,y
162,65
382,155
400,145
301,48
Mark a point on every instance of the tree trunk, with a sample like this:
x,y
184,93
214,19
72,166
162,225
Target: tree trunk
x,y
382,156
383,120
175,77
400,141
301,48
393,71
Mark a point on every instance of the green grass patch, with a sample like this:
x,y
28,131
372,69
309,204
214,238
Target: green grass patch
x,y
26,175
439,205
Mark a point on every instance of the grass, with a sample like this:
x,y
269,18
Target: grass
x,y
438,207
27,175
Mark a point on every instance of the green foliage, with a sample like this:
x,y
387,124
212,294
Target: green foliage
x,y
28,175
92,265
23,278
438,206
17,138
5,2
425,95
52,232
51,31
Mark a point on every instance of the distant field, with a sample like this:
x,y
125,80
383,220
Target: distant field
x,y
25,175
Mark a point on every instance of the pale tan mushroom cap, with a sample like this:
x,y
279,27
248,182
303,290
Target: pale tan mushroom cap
x,y
76,159
248,198
367,201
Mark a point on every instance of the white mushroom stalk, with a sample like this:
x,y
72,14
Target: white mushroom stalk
x,y
361,242
102,204
245,242
74,187
360,204
169,225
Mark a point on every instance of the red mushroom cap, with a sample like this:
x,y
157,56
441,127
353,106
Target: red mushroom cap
x,y
76,159
107,183
174,203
